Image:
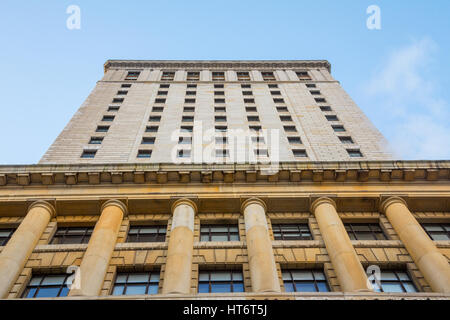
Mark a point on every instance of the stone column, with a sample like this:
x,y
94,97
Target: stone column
x,y
18,249
346,264
177,275
433,265
100,249
261,260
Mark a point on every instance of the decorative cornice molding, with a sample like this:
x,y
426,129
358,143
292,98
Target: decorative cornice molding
x,y
160,173
217,64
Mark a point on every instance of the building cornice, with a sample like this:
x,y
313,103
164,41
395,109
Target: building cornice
x,y
216,64
352,171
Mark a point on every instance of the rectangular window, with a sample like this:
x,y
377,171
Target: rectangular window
x,y
136,283
219,100
122,92
219,232
152,233
338,128
144,154
294,140
184,140
437,231
117,100
258,140
268,75
88,154
220,281
252,118
219,109
354,153
168,75
219,93
364,231
243,76
289,128
218,76
193,76
160,100
151,129
183,153
162,93
261,152
188,109
126,85
325,108
299,153
249,100
148,140
222,153
291,231
189,100
395,281
282,109
310,85
102,129
164,85
113,108
191,85
154,118
255,128
221,140
220,118
250,109
218,86
187,119
247,93
303,75
108,118
5,235
278,100
132,75
320,100
47,286
285,118
72,235
272,85
221,128
315,92
191,93
275,93
304,280
186,128
246,86
346,140
157,109
96,140
332,118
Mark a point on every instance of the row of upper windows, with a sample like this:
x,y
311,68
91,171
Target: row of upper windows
x,y
220,75
212,281
230,232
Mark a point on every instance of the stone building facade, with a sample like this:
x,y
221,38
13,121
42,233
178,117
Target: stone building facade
x,y
101,218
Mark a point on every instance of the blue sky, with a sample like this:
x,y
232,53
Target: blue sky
x,y
399,75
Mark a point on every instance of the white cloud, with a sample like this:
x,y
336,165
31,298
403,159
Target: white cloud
x,y
415,119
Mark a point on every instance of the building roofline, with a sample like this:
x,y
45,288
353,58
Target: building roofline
x,y
216,64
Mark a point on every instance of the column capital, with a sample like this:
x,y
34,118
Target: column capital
x,y
117,203
250,201
320,201
391,200
43,204
184,201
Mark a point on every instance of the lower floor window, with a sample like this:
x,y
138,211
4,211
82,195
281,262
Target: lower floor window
x,y
305,280
47,286
136,283
220,281
395,281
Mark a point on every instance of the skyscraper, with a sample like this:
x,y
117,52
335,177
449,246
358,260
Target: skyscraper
x,y
220,179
